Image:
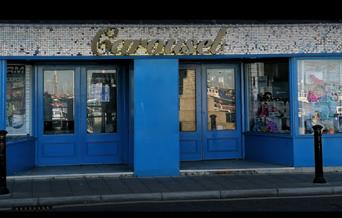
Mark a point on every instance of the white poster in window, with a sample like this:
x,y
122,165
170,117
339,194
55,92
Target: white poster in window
x,y
96,90
15,102
91,91
105,93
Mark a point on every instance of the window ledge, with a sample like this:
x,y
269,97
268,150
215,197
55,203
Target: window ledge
x,y
18,139
336,135
278,135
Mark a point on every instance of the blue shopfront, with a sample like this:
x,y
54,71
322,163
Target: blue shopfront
x,y
150,104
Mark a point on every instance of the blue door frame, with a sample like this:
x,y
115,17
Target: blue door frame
x,y
204,144
81,147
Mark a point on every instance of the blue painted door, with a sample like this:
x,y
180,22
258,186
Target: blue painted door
x,y
210,112
78,119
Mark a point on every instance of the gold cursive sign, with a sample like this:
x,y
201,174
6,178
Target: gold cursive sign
x,y
104,43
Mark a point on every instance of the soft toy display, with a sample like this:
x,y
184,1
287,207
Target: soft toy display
x,y
312,97
324,112
327,106
271,126
263,110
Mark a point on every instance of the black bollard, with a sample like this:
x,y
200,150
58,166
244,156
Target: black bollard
x,y
318,155
3,183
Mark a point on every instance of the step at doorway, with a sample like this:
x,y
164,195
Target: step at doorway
x,y
74,171
231,166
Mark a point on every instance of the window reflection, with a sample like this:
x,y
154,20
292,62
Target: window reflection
x,y
58,102
268,97
101,101
320,95
187,100
221,99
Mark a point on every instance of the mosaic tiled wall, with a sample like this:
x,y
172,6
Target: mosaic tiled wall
x,y
74,40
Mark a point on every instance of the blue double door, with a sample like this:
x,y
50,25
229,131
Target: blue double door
x,y
209,111
80,115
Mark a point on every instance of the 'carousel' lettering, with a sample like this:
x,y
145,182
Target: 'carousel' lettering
x,y
104,44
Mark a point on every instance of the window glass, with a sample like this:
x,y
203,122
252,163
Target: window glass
x,y
221,99
18,102
59,101
268,97
187,100
101,101
320,95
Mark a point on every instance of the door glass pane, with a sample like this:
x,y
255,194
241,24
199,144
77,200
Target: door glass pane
x,y
187,100
101,101
221,99
59,101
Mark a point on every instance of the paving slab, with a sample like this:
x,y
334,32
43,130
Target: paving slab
x,y
56,191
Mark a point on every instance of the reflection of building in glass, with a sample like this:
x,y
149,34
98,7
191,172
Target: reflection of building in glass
x,y
221,103
58,102
187,101
55,83
101,103
221,99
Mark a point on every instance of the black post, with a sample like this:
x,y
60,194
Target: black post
x,y
318,155
3,184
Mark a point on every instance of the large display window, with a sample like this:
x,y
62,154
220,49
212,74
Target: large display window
x,y
18,99
320,95
268,96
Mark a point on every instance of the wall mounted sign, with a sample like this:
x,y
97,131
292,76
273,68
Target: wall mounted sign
x,y
106,43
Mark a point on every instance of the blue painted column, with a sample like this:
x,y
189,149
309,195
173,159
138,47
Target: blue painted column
x,y
156,133
3,80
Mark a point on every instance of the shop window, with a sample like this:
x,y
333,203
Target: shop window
x,y
320,95
19,99
101,101
268,97
187,100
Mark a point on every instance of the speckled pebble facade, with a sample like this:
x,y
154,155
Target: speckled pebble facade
x,y
241,39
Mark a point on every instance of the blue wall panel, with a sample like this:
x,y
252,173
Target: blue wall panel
x,y
269,149
20,155
156,134
304,151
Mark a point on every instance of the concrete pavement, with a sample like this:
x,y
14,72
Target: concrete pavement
x,y
80,190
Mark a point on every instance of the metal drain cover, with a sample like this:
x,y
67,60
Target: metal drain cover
x,y
33,208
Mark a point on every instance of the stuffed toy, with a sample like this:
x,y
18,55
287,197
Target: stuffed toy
x,y
312,97
328,105
263,111
324,112
271,126
267,96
